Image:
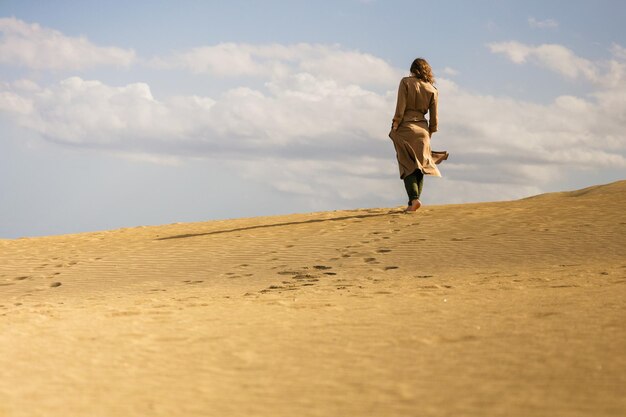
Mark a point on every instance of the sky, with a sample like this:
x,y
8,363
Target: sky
x,y
127,113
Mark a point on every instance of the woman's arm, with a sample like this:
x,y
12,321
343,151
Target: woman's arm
x,y
400,105
432,113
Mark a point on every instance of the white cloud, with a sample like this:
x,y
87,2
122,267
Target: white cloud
x,y
450,71
15,103
300,111
506,133
25,85
542,24
618,51
552,56
91,113
277,61
36,47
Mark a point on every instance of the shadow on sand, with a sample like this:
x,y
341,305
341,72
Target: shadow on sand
x,y
262,226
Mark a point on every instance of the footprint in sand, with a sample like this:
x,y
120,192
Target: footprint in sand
x,y
23,277
288,273
423,276
429,287
271,288
124,313
544,314
383,250
303,276
388,268
307,277
193,282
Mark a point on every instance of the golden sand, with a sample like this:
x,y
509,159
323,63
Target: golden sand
x,y
493,309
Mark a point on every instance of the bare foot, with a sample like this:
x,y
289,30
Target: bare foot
x,y
415,204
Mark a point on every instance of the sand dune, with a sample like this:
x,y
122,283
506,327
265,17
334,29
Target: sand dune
x,y
493,309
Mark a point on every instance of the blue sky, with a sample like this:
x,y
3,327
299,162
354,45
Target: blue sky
x,y
117,114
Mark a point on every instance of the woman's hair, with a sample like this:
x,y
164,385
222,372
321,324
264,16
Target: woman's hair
x,y
422,70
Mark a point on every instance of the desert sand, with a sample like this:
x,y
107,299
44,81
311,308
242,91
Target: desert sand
x,y
513,308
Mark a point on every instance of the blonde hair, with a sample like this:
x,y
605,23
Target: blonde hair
x,y
422,70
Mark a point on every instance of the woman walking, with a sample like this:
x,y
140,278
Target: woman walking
x,y
411,132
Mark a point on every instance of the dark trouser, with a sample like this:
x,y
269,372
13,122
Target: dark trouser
x,y
414,184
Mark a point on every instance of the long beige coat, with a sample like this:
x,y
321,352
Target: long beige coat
x,y
411,131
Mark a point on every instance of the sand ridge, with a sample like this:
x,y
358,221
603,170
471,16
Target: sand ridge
x,y
508,308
